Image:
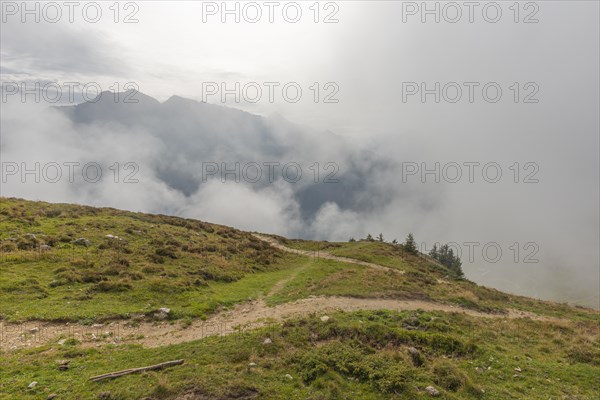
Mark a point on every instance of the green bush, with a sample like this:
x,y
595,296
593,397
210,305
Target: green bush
x,y
585,355
166,252
449,377
8,247
113,286
387,372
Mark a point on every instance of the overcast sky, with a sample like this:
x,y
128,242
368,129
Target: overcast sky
x,y
370,57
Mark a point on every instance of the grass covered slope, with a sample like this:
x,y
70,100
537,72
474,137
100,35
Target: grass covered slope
x,y
68,262
361,355
89,265
422,279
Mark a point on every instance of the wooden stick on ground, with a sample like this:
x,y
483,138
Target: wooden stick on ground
x,y
134,370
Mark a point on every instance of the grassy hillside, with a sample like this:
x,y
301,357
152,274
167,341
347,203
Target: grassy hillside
x,y
91,266
59,262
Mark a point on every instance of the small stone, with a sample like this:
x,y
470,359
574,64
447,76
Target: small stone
x,y
32,385
63,365
288,376
416,357
325,318
62,342
432,391
51,396
518,369
267,341
163,313
82,242
252,364
34,330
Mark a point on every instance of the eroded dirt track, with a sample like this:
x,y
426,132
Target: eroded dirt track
x,y
238,320
322,254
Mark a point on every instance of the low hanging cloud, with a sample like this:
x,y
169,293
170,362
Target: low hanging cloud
x,y
44,49
194,159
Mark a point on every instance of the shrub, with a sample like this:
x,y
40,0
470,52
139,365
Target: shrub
x,y
449,377
151,269
123,262
214,274
7,247
166,252
155,258
134,276
585,355
112,270
27,243
53,213
81,263
91,277
387,372
70,276
113,286
161,285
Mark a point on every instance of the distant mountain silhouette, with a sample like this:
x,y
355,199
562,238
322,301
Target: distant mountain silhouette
x,y
194,132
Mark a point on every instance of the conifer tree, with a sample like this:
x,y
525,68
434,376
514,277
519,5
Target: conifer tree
x,y
410,245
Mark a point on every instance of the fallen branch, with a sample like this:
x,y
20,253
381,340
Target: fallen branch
x,y
134,370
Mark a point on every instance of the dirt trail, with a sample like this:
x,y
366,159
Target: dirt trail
x,y
240,319
323,254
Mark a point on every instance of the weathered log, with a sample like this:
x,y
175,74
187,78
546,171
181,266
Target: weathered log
x,y
134,370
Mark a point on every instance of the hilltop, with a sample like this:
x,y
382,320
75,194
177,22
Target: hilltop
x,y
262,316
